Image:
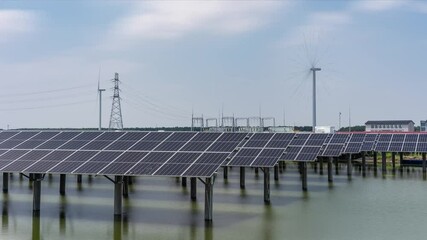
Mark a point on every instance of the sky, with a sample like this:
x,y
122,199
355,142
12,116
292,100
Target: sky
x,y
211,58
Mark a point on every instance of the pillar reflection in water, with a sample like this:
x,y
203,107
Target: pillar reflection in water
x,y
62,216
117,234
5,213
36,226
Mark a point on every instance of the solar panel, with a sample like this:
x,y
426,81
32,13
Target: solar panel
x,y
202,170
65,136
131,157
339,138
409,147
357,137
398,138
317,139
291,152
395,147
421,147
184,157
333,150
411,137
8,144
171,169
299,139
422,138
212,158
353,147
7,135
52,144
308,153
371,137
367,146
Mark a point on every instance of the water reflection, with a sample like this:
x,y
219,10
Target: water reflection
x,y
62,215
5,213
36,226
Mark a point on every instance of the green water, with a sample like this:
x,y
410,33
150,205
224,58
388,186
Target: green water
x,y
371,207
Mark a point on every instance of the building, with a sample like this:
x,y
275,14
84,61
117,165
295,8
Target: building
x,y
390,126
423,126
324,129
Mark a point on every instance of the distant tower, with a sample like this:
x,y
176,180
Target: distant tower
x,y
116,120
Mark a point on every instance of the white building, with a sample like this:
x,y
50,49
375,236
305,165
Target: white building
x,y
390,126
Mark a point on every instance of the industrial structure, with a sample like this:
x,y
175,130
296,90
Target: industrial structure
x,y
390,126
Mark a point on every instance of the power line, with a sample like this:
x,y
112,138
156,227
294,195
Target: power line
x,y
43,92
46,106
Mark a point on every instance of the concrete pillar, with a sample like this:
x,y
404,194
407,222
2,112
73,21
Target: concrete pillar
x,y
364,164
242,177
118,188
267,185
225,172
184,181
375,161
349,165
276,172
125,187
5,182
304,175
208,199
62,180
393,161
330,179
36,192
321,165
79,178
383,162
193,186
424,162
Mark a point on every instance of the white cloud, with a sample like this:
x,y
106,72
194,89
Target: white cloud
x,y
378,5
175,19
13,22
319,25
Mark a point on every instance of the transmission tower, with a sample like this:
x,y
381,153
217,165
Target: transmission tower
x,y
116,120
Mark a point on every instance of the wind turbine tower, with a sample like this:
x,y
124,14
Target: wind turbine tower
x,y
116,120
314,70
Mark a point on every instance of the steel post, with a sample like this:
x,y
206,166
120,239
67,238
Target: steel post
x,y
225,172
79,178
36,191
364,164
267,185
118,188
62,180
393,161
383,162
375,161
424,162
5,182
330,178
193,186
304,176
208,199
184,181
349,165
242,177
125,186
276,172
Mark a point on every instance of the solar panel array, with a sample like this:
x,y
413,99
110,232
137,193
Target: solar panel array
x,y
181,153
261,150
305,147
119,153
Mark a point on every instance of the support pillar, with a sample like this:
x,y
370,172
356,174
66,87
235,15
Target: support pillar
x,y
193,186
5,182
225,172
349,165
79,178
364,164
424,162
125,186
242,177
383,162
184,181
401,161
321,165
36,191
375,161
62,179
337,166
330,179
393,161
118,188
304,176
267,185
276,172
256,171
281,167
208,199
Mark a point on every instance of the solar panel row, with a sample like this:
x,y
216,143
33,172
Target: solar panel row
x,y
131,153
